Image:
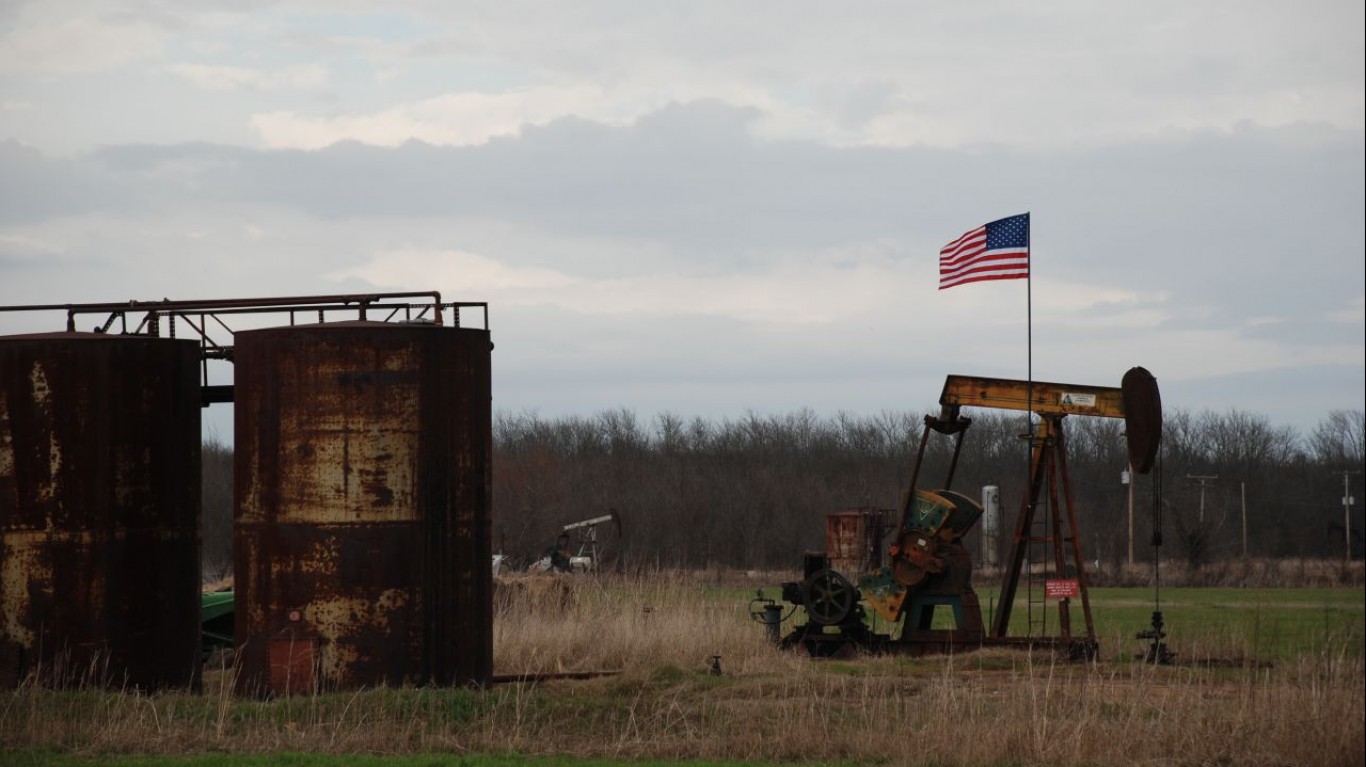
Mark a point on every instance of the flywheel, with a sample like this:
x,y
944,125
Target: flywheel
x,y
828,597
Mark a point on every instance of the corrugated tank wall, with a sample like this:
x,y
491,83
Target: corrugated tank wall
x,y
99,510
361,541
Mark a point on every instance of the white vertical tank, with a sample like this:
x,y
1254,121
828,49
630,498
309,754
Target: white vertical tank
x,y
991,523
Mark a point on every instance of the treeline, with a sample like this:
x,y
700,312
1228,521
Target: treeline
x,y
753,492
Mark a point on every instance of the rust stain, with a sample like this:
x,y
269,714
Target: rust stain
x,y
22,568
337,663
41,394
336,617
6,447
346,446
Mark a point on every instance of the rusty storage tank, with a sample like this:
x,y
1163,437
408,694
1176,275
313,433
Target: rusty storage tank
x,y
363,481
853,540
99,510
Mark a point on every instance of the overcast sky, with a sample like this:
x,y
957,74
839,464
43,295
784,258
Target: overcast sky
x,y
721,208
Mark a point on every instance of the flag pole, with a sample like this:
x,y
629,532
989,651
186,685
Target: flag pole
x,y
1029,347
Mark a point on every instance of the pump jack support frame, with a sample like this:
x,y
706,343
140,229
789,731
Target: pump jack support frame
x,y
1048,464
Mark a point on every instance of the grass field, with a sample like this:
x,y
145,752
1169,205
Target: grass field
x,y
1214,625
1264,677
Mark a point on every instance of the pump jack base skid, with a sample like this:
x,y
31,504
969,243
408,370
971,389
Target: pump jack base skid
x,y
848,644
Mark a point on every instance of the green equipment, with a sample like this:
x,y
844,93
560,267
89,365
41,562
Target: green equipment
x,y
215,621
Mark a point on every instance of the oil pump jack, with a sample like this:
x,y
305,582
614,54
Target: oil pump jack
x,y
576,550
928,565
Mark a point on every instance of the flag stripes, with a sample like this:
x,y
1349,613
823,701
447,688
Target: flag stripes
x,y
995,251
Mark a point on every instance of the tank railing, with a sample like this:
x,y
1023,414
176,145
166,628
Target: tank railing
x,y
408,312
278,303
360,303
202,315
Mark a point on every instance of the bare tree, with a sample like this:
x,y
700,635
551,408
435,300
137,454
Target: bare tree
x,y
1340,439
216,470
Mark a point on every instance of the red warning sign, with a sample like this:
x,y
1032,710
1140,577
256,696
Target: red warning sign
x,y
1061,587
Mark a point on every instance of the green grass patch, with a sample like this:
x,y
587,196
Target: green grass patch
x,y
1254,624
1249,625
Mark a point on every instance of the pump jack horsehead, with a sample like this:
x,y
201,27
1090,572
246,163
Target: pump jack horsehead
x,y
929,566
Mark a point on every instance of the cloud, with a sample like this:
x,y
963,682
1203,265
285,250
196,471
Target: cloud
x,y
476,273
1234,220
75,44
457,119
900,75
34,187
885,74
1355,311
803,290
228,77
604,247
690,185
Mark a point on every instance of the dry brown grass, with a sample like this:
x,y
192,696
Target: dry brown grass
x,y
576,623
991,707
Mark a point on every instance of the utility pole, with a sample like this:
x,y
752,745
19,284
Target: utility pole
x,y
1242,489
1347,500
1202,480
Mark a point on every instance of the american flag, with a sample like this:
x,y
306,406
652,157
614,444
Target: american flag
x,y
995,251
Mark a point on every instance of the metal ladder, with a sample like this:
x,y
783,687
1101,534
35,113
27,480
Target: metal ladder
x,y
1038,552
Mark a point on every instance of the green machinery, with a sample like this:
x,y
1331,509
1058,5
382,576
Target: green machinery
x,y
215,619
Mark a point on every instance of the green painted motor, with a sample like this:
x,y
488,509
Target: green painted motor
x,y
926,554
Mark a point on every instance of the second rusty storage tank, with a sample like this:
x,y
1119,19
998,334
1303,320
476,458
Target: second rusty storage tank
x,y
362,516
99,510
